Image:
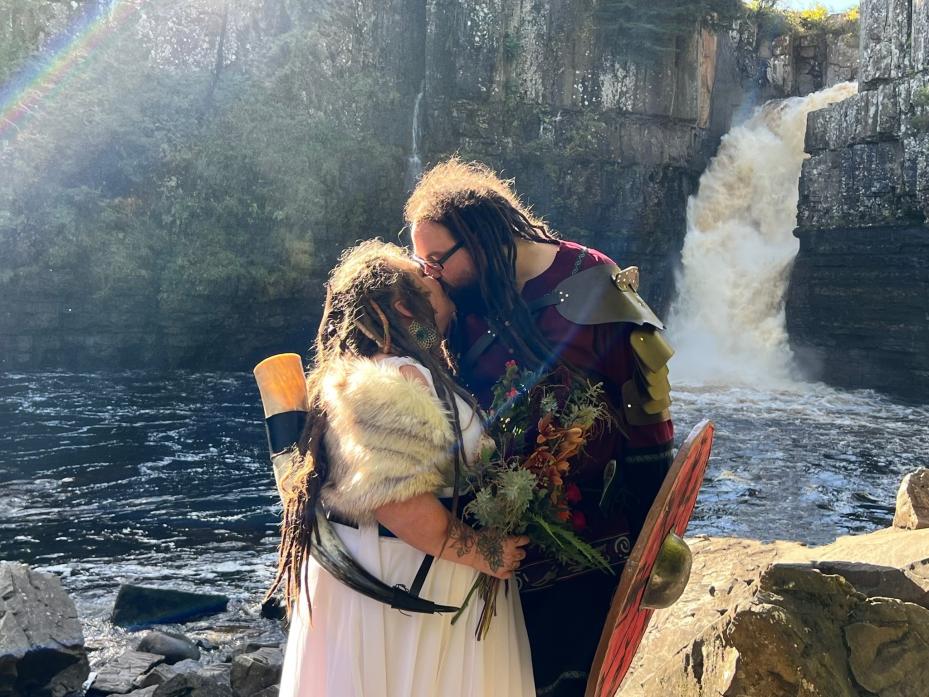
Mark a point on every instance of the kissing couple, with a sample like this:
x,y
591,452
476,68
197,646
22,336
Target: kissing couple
x,y
408,352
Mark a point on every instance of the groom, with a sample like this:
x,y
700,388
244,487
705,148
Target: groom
x,y
522,294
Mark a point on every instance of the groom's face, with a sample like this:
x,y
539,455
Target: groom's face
x,y
432,241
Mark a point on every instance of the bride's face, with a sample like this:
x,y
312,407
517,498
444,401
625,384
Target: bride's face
x,y
442,305
444,308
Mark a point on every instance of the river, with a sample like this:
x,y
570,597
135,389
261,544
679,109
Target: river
x,y
143,478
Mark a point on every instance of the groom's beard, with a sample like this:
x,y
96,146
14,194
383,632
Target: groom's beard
x,y
468,299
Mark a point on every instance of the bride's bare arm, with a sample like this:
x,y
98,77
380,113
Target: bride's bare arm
x,y
424,523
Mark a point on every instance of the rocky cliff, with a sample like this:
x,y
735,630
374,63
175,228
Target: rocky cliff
x,y
858,304
606,146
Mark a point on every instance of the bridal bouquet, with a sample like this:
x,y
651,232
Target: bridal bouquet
x,y
538,424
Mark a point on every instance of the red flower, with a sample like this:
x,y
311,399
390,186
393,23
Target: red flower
x,y
572,494
512,394
510,364
578,520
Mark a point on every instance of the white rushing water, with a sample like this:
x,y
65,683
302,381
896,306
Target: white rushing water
x,y
727,321
414,163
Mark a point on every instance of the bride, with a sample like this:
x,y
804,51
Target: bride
x,y
387,435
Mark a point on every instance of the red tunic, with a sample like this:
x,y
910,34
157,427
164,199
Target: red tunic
x,y
604,351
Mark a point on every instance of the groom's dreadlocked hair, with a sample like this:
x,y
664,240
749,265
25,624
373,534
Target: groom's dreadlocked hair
x,y
359,319
482,211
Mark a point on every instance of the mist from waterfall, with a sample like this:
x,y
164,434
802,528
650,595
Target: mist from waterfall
x,y
727,322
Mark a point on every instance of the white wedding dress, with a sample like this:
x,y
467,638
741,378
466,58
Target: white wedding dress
x,y
358,647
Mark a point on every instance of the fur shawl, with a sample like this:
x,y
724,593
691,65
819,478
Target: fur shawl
x,y
388,438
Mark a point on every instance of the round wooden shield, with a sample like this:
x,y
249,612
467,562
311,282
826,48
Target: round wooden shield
x,y
671,511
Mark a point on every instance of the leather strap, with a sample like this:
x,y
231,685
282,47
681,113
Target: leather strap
x,y
477,349
421,575
284,430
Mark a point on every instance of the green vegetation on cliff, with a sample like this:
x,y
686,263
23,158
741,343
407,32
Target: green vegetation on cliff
x,y
773,20
191,177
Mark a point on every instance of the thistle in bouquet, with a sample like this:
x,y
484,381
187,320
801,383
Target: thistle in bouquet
x,y
538,423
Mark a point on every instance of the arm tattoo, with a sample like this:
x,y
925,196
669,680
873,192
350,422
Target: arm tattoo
x,y
461,537
490,545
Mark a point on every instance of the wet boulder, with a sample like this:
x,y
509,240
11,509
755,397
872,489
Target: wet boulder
x,y
42,651
193,684
138,606
174,647
257,671
164,672
912,512
119,674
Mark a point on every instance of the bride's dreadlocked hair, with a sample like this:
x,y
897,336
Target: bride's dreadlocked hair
x,y
359,319
482,211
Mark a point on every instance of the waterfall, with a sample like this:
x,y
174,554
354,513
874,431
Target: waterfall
x,y
727,321
414,164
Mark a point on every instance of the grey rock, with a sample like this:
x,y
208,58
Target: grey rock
x,y
885,25
174,647
920,36
253,672
164,672
842,59
193,684
144,692
156,676
868,116
42,650
909,584
137,606
888,644
272,691
857,330
220,672
119,674
912,512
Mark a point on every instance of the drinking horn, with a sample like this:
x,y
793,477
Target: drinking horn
x,y
282,385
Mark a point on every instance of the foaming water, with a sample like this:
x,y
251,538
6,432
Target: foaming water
x,y
727,320
804,462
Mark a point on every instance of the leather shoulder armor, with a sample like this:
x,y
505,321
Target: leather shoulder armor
x,y
601,294
604,294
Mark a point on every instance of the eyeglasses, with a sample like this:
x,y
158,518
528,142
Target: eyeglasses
x,y
433,268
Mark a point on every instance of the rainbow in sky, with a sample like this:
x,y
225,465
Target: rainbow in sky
x,y
31,90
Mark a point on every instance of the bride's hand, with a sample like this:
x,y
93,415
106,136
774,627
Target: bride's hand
x,y
502,555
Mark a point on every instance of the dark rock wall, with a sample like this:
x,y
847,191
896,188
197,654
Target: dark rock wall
x,y
608,150
858,303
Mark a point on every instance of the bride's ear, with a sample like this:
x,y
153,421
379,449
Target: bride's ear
x,y
401,307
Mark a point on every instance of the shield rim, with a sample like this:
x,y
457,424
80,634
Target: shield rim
x,y
636,567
